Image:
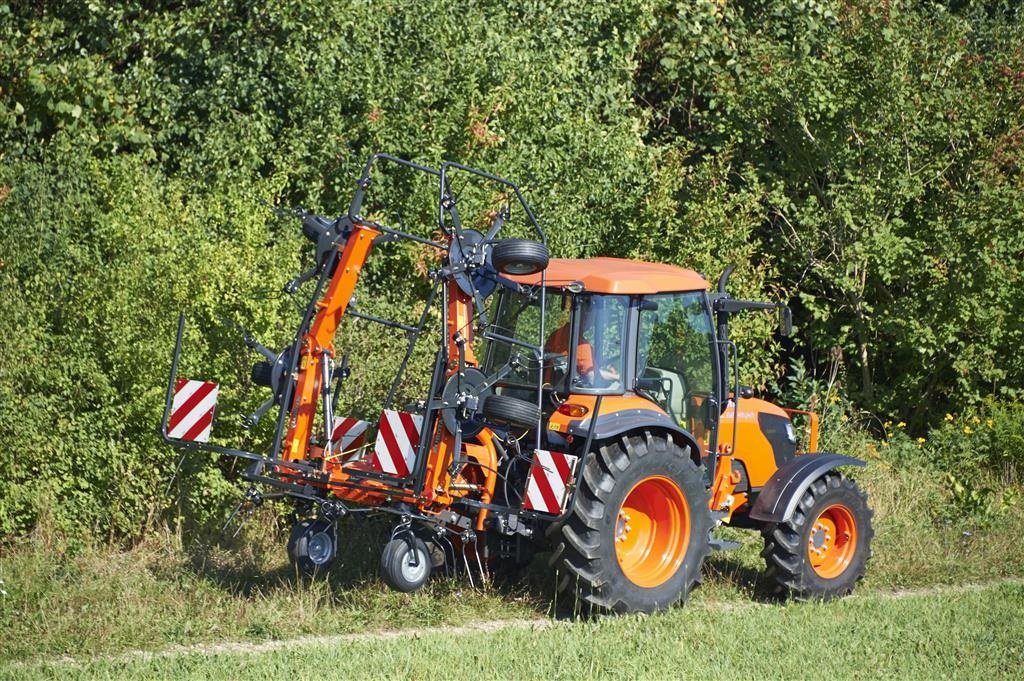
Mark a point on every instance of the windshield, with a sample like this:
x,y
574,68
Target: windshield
x,y
516,315
598,335
599,339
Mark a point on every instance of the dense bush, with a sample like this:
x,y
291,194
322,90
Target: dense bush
x,y
857,159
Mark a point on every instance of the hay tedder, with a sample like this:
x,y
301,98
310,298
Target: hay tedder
x,y
579,408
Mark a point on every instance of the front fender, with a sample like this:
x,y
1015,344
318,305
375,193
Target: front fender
x,y
781,494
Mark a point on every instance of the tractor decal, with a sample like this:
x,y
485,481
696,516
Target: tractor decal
x,y
192,410
547,487
349,438
397,438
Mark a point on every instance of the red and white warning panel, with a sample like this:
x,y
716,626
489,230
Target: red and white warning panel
x,y
349,437
548,484
192,410
397,438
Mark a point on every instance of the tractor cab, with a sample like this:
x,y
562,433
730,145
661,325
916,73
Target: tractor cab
x,y
639,336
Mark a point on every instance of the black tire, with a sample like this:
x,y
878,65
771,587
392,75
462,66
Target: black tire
x,y
511,410
397,568
791,547
519,256
312,546
586,553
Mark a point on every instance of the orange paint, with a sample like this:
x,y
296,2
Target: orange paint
x,y
320,338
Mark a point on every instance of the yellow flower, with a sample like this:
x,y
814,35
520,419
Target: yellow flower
x,y
975,420
921,440
833,398
887,424
901,424
884,443
967,430
844,418
988,422
949,417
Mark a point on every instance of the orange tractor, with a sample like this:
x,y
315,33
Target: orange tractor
x,y
578,407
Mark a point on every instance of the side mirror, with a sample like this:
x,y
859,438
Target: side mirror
x,y
785,321
648,305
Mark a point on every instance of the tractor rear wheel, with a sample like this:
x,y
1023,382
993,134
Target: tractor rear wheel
x,y
821,552
638,530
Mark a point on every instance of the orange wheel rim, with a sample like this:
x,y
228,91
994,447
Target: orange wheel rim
x,y
652,531
832,542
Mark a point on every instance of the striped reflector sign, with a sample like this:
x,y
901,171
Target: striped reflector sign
x,y
547,486
397,439
192,410
349,435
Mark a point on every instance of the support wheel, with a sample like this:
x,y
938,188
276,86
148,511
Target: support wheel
x,y
821,552
312,546
406,563
638,530
511,411
519,256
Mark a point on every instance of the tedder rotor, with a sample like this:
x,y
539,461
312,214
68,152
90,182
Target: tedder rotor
x,y
581,408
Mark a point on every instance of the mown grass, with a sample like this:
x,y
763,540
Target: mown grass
x,y
94,600
955,634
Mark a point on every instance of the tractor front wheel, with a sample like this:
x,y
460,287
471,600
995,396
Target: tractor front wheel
x,y
821,552
638,530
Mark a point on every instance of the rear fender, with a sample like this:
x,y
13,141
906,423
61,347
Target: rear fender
x,y
619,423
781,494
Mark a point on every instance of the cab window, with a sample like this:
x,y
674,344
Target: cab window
x,y
675,360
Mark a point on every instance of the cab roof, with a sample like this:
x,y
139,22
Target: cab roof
x,y
617,276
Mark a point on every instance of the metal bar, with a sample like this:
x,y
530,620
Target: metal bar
x,y
327,366
171,379
286,393
405,235
413,338
239,453
364,181
538,351
582,462
540,367
383,322
499,180
430,413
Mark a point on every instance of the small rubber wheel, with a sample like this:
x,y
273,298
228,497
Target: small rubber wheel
x,y
406,568
312,546
511,411
821,552
519,256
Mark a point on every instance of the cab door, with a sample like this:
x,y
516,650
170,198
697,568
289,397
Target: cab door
x,y
676,362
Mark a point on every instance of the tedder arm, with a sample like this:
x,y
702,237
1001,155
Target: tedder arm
x,y
423,460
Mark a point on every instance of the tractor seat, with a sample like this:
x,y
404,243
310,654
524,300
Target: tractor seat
x,y
674,402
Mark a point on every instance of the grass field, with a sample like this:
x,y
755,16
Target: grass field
x,y
91,604
953,633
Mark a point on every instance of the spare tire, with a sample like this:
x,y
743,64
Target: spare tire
x,y
519,256
511,411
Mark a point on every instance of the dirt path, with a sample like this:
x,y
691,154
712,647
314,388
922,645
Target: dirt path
x,y
255,648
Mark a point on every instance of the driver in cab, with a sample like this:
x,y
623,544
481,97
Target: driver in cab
x,y
587,369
